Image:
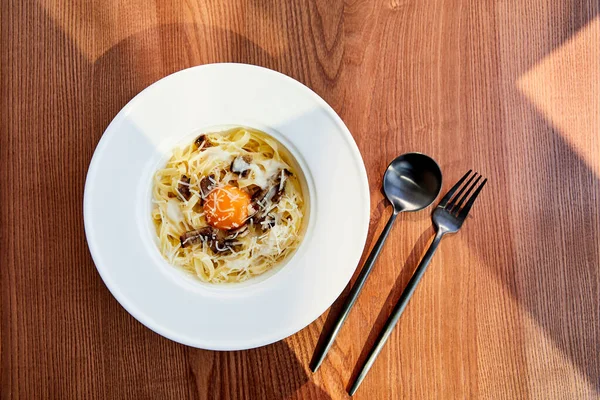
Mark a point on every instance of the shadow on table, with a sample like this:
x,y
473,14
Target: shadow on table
x,y
552,232
269,372
559,293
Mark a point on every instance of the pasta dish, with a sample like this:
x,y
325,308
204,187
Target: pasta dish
x,y
228,206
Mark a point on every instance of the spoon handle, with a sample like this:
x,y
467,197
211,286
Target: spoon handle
x,y
358,285
397,312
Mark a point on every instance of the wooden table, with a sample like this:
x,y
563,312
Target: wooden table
x,y
509,308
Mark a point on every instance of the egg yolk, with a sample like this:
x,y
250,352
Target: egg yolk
x,y
226,207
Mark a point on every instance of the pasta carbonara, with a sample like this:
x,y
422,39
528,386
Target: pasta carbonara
x,y
228,206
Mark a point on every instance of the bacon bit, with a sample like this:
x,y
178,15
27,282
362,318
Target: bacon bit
x,y
197,236
213,238
207,184
184,187
203,142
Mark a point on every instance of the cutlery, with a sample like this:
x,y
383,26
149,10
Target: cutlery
x,y
448,217
411,182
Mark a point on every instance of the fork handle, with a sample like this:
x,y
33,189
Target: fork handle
x,y
397,312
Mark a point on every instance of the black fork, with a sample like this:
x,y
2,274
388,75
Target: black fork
x,y
448,217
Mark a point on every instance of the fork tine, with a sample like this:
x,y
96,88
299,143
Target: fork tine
x,y
457,206
448,195
452,203
463,213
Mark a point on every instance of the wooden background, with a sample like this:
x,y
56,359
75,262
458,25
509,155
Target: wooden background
x,y
509,308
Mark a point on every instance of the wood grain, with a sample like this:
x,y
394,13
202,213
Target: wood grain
x,y
510,307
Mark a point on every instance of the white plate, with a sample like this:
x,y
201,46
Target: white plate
x,y
117,207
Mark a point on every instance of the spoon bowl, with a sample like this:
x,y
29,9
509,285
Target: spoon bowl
x,y
412,182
